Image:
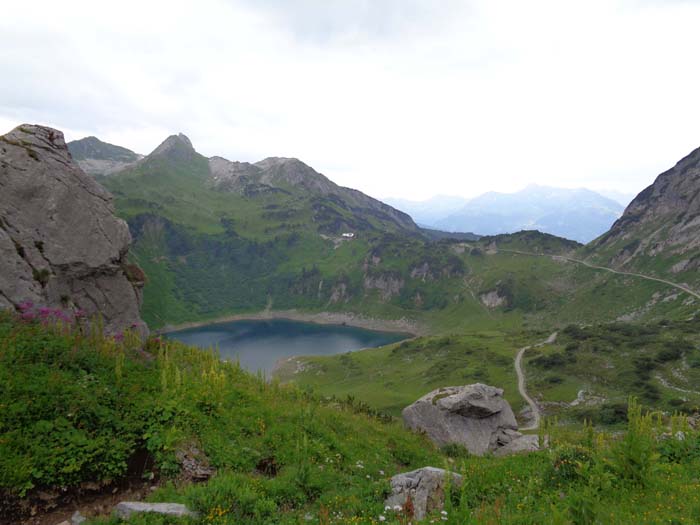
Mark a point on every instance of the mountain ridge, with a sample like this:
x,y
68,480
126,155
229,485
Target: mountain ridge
x,y
578,214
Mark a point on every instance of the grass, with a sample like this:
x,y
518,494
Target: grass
x,y
77,405
393,377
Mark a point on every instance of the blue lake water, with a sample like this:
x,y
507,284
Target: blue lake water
x,y
259,344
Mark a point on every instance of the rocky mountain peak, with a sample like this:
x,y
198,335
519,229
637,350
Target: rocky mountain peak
x,y
94,148
662,222
175,147
61,245
101,158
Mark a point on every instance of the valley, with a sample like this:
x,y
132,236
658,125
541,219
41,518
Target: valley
x,y
587,342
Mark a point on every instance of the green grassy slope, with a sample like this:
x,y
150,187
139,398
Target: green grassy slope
x,y
210,251
76,407
659,362
392,377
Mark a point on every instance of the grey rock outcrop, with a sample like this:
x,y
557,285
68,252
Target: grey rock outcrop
x,y
61,245
126,509
425,486
663,223
522,444
475,416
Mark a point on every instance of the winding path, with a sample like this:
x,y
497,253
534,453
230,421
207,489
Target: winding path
x,y
521,382
606,269
519,358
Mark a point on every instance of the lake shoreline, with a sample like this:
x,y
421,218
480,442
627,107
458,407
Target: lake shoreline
x,y
403,325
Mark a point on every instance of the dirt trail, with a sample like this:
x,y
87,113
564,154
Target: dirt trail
x,y
611,270
521,382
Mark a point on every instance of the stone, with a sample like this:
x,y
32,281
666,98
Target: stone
x,y
475,416
77,518
522,444
194,464
126,509
425,486
61,245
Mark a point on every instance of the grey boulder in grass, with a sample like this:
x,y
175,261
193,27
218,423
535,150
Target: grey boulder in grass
x,y
426,487
474,416
126,509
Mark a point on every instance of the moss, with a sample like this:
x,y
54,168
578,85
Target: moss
x,y
42,276
440,396
134,273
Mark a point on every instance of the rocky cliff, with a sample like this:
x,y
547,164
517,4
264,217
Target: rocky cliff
x,y
660,229
61,245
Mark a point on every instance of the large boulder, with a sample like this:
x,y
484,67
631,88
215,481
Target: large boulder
x,y
475,416
426,487
61,246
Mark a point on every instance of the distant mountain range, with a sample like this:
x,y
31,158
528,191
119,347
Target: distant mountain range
x,y
577,214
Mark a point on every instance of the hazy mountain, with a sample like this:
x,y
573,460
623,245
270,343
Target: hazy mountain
x,y
623,198
429,212
100,158
580,214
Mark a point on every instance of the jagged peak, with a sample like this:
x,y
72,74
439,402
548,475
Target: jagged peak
x,y
176,147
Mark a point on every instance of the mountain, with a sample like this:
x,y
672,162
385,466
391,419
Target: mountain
x,y
580,214
622,198
61,245
659,232
429,212
217,237
100,158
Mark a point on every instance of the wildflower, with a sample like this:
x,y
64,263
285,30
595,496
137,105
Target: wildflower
x,y
382,518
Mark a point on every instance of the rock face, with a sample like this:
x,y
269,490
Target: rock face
x,y
60,244
425,486
475,416
661,224
529,443
126,509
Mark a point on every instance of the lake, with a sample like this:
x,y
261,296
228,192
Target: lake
x,y
259,344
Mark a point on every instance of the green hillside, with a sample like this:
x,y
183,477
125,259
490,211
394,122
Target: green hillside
x,y
659,362
83,413
218,238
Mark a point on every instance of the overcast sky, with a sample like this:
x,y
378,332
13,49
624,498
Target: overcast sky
x,y
402,98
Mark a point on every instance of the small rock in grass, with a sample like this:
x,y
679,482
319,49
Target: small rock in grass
x,y
126,509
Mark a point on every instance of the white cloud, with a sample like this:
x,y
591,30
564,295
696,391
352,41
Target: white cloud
x,y
402,97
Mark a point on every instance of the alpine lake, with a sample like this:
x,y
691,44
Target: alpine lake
x,y
259,344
